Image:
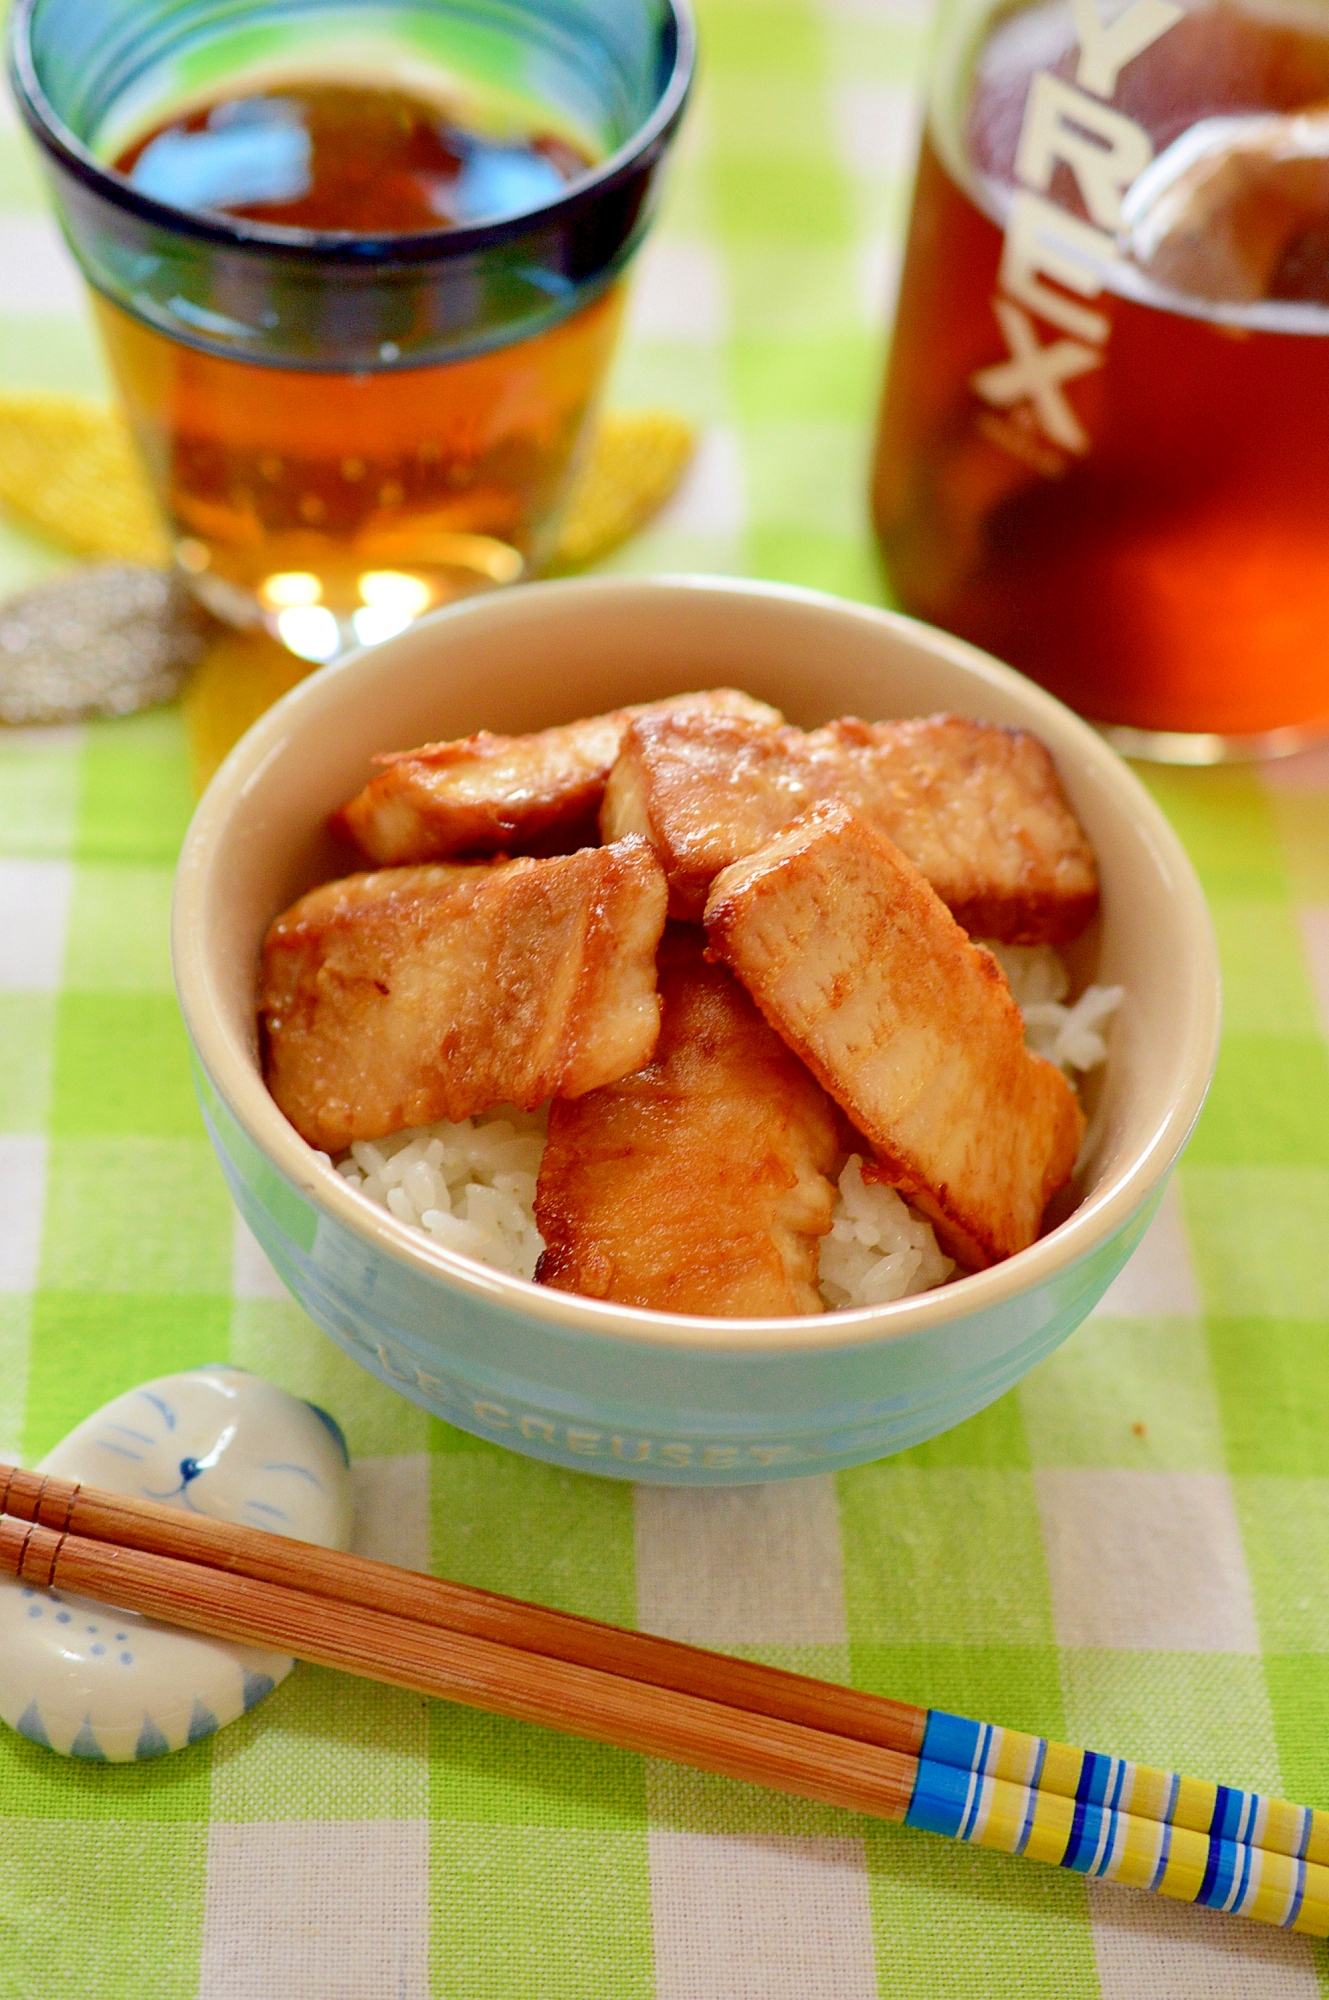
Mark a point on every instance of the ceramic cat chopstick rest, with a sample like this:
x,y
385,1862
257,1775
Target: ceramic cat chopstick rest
x,y
115,1687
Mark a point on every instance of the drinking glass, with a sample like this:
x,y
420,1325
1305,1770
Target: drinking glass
x,y
1102,444
346,429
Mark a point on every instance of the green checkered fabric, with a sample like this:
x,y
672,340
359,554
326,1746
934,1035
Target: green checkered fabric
x,y
1130,1551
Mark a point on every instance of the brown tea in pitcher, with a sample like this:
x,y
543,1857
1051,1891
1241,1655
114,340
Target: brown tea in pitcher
x,y
345,503
1104,446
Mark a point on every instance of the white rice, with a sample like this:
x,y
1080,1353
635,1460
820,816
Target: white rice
x,y
1070,1037
471,1186
879,1248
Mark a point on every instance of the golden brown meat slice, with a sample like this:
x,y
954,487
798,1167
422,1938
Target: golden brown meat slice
x,y
911,1028
486,792
979,810
699,1185
705,791
415,994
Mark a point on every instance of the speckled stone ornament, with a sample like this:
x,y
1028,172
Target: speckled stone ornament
x,y
99,641
112,1686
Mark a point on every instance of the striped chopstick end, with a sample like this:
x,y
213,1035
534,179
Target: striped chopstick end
x,y
1114,1845
1225,1811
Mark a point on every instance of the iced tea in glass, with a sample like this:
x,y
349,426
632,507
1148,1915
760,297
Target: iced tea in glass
x,y
1104,444
358,270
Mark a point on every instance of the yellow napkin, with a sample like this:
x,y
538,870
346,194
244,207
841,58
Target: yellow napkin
x,y
68,466
238,678
637,458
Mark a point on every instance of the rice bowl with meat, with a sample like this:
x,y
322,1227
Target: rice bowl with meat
x,y
732,1050
587,1382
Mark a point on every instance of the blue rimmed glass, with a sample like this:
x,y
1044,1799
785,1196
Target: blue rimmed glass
x,y
251,355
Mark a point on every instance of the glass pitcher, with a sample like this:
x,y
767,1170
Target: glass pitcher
x,y
1104,444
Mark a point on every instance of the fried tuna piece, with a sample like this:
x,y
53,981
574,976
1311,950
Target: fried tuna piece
x,y
979,810
415,994
910,1027
486,792
699,1185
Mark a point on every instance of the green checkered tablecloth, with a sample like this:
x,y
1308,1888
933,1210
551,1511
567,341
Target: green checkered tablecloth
x,y
1129,1551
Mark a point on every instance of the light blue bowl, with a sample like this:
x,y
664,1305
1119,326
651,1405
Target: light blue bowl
x,y
604,1388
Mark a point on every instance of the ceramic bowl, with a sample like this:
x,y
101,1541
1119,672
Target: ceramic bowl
x,y
606,1388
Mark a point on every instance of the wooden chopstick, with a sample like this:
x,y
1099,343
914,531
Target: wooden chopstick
x,y
454,1607
532,1687
978,1750
684,1728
